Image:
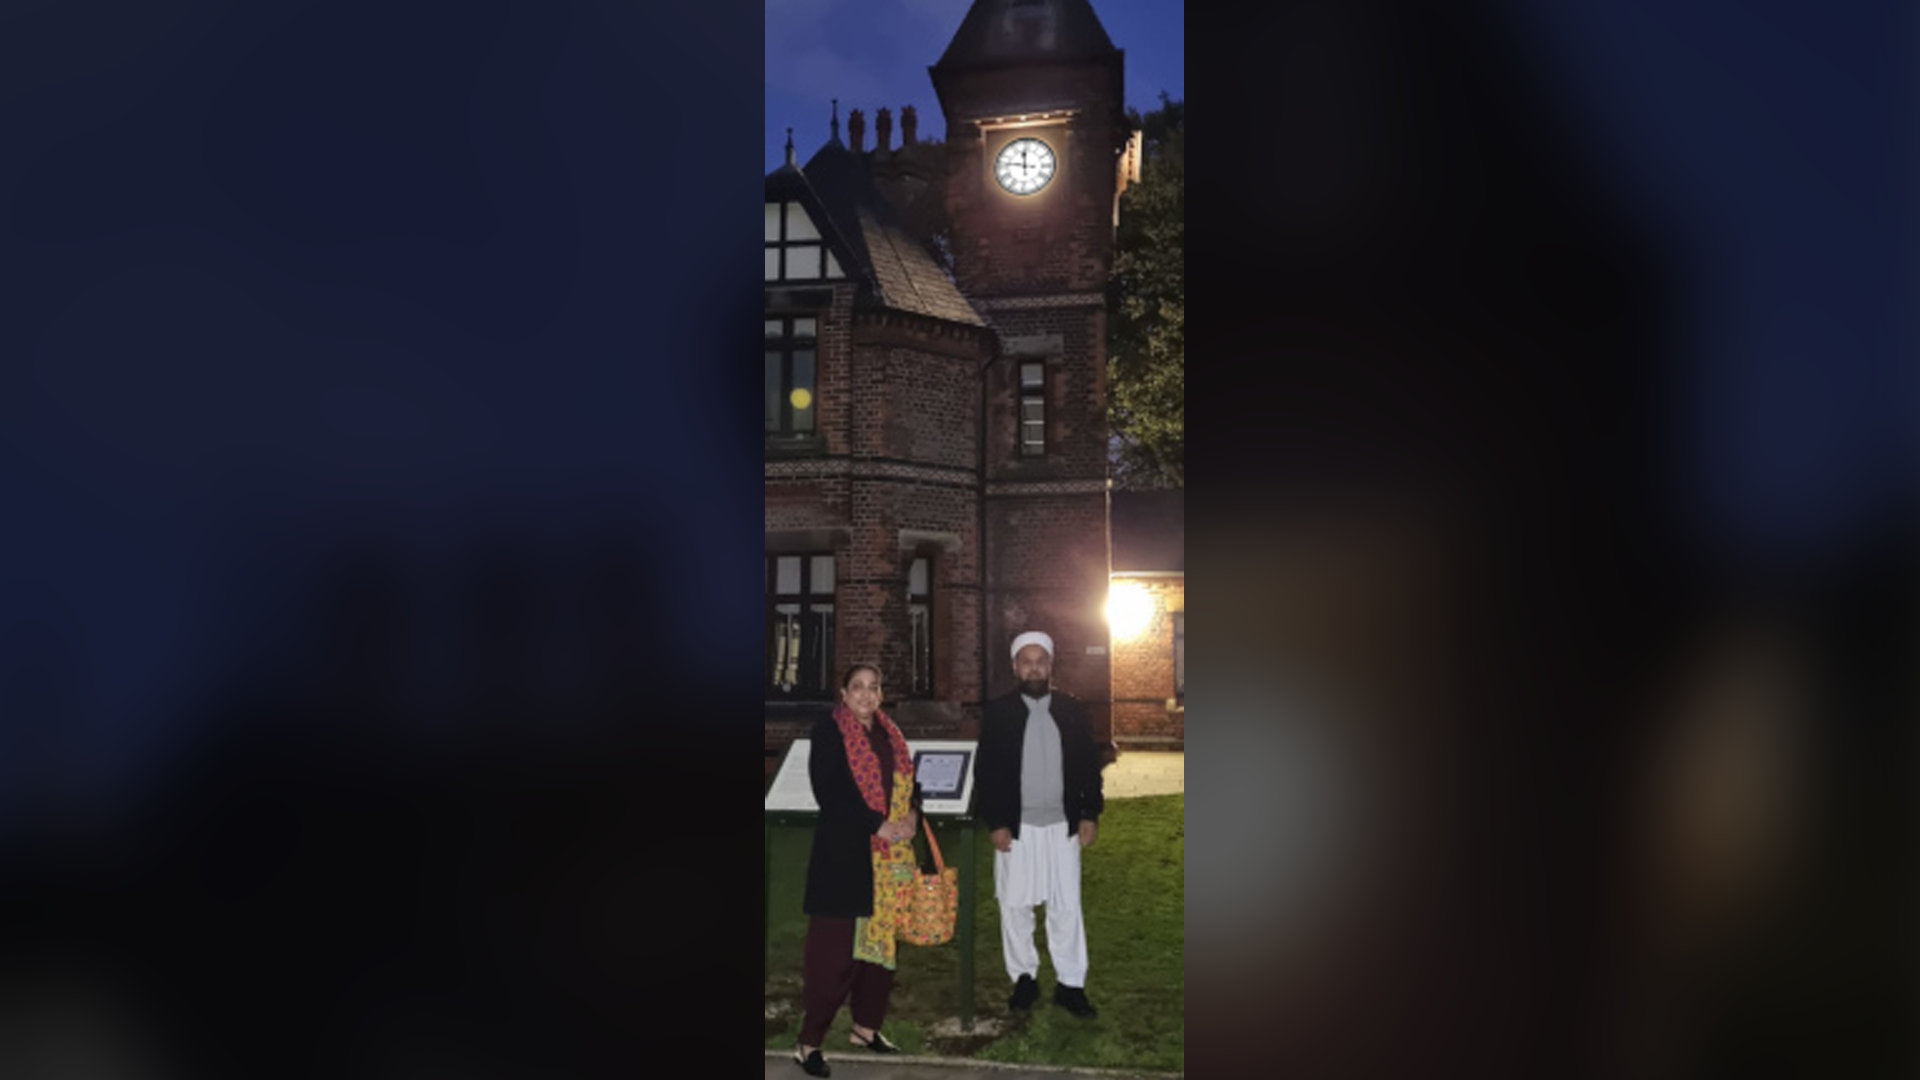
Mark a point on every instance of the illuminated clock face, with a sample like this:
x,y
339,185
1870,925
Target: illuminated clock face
x,y
1024,166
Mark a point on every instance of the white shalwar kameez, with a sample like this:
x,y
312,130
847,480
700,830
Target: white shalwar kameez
x,y
1044,865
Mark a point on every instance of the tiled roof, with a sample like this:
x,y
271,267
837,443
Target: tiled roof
x,y
907,277
997,32
894,269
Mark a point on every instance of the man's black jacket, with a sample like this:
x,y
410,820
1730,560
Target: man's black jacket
x,y
1003,733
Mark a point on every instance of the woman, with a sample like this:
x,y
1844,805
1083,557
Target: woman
x,y
861,870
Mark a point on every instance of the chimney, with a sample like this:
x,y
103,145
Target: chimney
x,y
883,129
857,131
909,126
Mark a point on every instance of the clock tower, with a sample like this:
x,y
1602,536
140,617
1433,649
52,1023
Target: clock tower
x,y
1032,92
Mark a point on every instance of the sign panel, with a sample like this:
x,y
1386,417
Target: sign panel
x,y
945,769
792,789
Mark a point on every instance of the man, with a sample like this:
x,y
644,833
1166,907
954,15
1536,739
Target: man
x,y
1038,790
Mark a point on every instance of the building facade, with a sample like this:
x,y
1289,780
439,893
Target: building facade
x,y
936,431
1147,617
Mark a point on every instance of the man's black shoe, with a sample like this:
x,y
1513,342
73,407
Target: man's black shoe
x,y
1074,1000
1025,993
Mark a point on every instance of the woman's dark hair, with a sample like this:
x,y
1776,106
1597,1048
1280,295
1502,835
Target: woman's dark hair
x,y
847,679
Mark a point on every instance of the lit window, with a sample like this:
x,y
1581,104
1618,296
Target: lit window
x,y
792,356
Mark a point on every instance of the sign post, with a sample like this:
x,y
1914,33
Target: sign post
x,y
965,932
945,771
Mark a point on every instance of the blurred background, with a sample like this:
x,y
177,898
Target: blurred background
x,y
1556,659
372,521
371,507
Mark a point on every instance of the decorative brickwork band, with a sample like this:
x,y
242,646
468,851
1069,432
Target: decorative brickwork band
x,y
1050,487
1032,303
811,469
840,468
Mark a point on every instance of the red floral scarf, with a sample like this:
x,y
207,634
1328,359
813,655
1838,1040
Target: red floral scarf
x,y
874,937
866,766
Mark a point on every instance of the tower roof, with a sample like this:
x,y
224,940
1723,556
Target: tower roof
x,y
999,33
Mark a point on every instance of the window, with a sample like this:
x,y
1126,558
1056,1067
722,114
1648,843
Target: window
x,y
1180,654
795,249
800,626
920,625
1033,410
791,357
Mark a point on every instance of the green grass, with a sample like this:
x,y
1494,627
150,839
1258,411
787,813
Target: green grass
x,y
1133,890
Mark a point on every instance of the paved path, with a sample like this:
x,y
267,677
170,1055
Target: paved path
x,y
846,1066
1145,772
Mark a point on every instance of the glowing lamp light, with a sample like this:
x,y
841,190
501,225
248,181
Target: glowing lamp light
x,y
801,397
1129,609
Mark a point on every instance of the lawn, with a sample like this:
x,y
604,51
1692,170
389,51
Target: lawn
x,y
1133,890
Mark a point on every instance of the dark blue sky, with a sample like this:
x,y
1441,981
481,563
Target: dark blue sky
x,y
875,55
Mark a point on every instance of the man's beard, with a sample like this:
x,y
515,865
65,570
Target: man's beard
x,y
1036,688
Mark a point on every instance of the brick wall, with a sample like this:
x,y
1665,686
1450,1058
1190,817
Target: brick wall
x,y
1075,622
872,612
806,505
932,407
1143,674
1048,542
1049,572
925,412
1076,397
833,378
1060,239
910,412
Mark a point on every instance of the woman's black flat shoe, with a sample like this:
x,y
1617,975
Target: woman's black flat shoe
x,y
813,1063
878,1044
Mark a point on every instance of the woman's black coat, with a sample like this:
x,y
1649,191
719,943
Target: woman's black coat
x,y
840,871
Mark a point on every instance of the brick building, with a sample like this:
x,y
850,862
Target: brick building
x,y
936,433
1148,619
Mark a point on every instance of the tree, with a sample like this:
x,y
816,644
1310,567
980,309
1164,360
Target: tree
x,y
1146,337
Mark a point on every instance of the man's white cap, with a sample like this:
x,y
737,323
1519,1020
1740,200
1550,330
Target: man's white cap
x,y
1032,637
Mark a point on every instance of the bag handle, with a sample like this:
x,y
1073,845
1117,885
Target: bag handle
x,y
939,864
